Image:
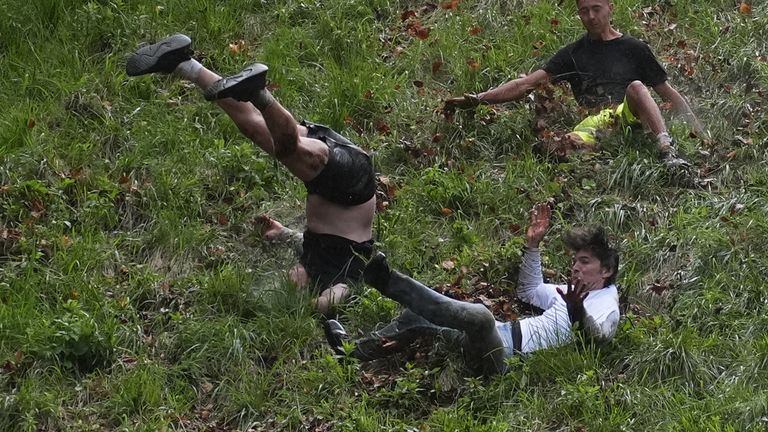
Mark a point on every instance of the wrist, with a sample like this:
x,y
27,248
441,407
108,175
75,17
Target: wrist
x,y
576,312
532,245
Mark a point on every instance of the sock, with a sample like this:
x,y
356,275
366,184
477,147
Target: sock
x,y
263,99
665,142
290,236
189,70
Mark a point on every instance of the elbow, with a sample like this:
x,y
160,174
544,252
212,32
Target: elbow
x,y
523,294
604,331
603,337
597,335
607,331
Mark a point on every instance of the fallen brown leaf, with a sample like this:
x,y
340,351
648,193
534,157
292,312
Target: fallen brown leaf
x,y
382,127
745,8
407,14
450,5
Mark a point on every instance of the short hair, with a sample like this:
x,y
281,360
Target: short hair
x,y
593,239
577,2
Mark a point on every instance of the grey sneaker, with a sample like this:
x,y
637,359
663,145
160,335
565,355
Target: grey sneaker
x,y
162,56
672,160
676,162
243,87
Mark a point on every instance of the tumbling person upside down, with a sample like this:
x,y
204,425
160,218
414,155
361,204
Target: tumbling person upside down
x,y
338,175
588,302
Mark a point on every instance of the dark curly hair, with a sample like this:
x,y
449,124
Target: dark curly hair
x,y
593,239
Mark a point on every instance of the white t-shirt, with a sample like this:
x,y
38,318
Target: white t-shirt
x,y
553,327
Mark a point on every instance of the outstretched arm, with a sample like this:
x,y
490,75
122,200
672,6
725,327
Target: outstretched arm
x,y
680,107
515,89
512,90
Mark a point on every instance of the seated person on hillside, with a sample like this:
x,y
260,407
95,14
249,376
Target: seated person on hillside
x,y
608,73
338,175
589,303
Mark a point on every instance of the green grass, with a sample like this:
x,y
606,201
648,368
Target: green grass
x,y
134,294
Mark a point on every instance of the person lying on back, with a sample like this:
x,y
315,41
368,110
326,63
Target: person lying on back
x,y
588,302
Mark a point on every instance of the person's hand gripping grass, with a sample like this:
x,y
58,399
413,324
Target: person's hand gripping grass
x,y
467,101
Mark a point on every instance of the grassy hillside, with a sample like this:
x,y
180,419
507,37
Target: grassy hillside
x,y
135,294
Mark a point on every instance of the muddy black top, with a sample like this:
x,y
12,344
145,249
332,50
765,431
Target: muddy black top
x,y
600,71
348,177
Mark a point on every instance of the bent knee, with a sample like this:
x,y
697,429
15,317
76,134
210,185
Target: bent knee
x,y
331,297
637,89
481,318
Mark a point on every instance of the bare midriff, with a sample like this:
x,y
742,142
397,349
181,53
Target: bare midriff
x,y
351,222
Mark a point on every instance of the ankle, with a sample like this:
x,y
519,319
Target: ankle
x,y
664,142
263,99
189,70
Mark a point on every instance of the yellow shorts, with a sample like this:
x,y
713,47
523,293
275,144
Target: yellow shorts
x,y
605,119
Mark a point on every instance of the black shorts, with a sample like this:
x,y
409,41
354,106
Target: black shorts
x,y
330,259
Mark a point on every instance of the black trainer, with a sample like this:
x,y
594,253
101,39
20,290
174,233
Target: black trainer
x,y
243,87
162,56
335,335
377,273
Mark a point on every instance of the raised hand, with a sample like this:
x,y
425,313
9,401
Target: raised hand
x,y
574,297
539,224
575,294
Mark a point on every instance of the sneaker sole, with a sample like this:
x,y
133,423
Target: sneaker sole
x,y
242,86
335,335
162,56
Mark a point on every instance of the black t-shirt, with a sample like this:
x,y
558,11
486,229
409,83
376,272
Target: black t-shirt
x,y
600,71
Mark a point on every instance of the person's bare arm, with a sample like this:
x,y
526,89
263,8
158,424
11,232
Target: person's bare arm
x,y
512,90
515,89
680,107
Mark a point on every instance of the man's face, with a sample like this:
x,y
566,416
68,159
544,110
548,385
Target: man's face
x,y
587,267
595,15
